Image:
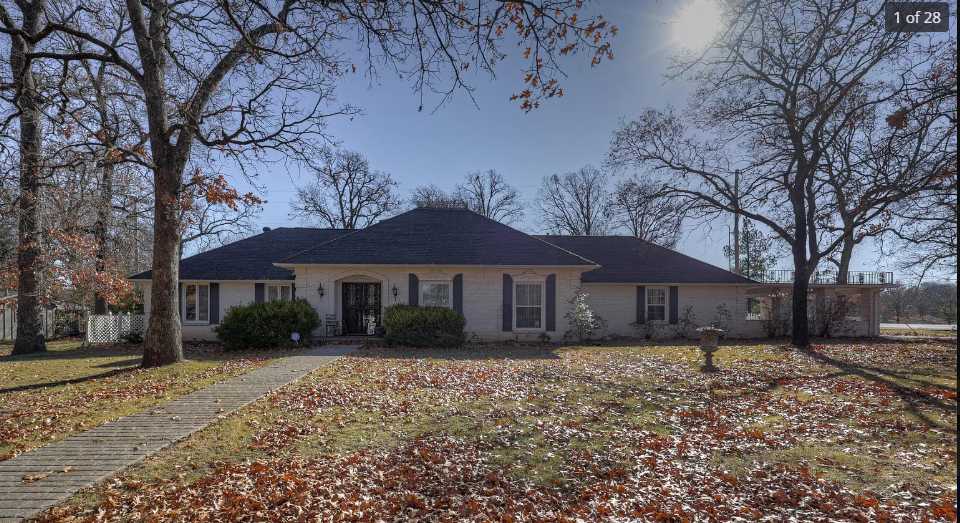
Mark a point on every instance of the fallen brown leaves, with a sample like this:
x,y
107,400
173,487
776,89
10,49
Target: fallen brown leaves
x,y
47,413
446,480
594,435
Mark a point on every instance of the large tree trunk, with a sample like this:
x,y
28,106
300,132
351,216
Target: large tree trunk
x,y
100,232
846,255
30,336
801,323
163,342
801,278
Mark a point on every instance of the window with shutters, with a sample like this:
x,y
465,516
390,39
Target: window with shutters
x,y
196,303
436,294
279,293
656,304
528,305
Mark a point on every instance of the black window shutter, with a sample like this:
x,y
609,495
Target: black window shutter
x,y
507,303
413,296
551,296
293,291
258,292
214,303
458,293
674,304
641,304
179,298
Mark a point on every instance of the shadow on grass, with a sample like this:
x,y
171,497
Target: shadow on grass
x,y
911,397
77,352
130,361
72,381
473,352
119,363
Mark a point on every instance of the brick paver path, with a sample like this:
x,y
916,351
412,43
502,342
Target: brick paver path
x,y
83,459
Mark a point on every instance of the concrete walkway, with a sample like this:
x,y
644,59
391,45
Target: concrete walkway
x,y
44,477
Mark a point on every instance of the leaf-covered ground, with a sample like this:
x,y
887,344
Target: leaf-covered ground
x,y
847,432
69,389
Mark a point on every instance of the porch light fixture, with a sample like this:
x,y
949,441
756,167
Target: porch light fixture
x,y
320,290
395,292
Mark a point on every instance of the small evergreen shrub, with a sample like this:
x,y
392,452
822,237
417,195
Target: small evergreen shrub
x,y
266,325
416,326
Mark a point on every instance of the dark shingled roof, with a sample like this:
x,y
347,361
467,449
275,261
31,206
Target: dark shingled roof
x,y
625,259
252,258
437,237
447,237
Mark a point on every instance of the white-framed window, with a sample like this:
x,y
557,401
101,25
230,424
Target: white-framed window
x,y
436,293
528,305
196,303
279,293
656,304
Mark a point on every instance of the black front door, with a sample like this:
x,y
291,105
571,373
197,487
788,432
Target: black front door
x,y
361,305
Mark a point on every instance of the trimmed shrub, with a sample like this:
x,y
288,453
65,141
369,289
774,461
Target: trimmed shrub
x,y
417,326
266,325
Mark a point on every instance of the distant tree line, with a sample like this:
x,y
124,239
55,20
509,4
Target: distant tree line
x,y
928,302
343,192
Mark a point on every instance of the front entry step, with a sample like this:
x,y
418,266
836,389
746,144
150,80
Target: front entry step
x,y
370,340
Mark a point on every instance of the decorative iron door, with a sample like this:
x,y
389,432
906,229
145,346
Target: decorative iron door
x,y
361,306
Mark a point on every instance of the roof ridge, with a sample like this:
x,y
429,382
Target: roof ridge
x,y
422,225
562,249
351,233
652,249
526,233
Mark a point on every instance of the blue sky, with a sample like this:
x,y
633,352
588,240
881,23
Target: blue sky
x,y
419,148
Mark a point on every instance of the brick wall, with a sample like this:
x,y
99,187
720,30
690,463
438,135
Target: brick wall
x,y
482,292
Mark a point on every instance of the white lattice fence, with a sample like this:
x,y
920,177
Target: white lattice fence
x,y
104,328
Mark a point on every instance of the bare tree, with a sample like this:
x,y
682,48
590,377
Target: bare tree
x,y
758,252
898,301
574,203
924,238
487,193
26,99
647,212
208,225
775,90
345,193
433,196
248,79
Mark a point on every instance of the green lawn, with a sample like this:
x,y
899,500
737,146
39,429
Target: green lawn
x,y
843,432
918,332
69,388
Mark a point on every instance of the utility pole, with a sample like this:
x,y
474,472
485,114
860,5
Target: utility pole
x,y
736,222
746,240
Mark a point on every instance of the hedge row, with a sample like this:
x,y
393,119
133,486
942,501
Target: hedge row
x,y
416,326
267,324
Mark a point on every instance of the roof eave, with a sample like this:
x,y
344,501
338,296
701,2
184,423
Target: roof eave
x,y
285,265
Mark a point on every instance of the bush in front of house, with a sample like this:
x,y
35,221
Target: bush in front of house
x,y
416,326
266,325
584,323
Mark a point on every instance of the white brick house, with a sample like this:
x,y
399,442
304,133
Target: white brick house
x,y
508,284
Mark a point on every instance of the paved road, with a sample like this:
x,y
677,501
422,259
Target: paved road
x,y
918,326
72,464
